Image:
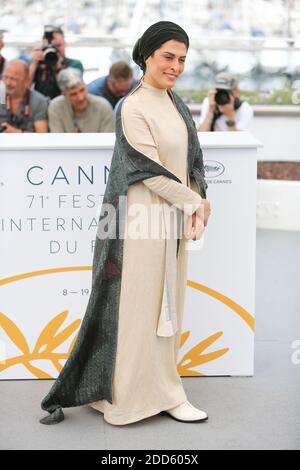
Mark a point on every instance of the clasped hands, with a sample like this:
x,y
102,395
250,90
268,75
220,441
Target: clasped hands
x,y
197,221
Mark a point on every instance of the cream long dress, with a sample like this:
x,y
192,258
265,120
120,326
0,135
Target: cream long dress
x,y
145,379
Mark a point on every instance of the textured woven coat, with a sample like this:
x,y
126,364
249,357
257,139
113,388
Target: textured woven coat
x,y
87,375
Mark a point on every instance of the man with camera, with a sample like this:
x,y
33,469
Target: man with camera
x,y
48,60
223,110
21,109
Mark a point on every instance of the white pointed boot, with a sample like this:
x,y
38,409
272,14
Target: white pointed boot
x,y
187,413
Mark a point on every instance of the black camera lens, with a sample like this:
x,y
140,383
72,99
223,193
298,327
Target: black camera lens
x,y
222,97
50,55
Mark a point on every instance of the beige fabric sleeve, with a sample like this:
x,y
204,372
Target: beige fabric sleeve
x,y
139,136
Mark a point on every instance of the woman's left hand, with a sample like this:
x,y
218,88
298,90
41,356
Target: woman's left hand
x,y
195,224
207,210
198,221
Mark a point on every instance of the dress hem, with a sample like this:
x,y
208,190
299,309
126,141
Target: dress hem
x,y
145,414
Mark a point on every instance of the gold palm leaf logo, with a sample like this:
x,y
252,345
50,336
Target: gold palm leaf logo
x,y
44,347
194,356
49,340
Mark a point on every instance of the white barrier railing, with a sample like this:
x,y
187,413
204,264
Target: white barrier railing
x,y
50,190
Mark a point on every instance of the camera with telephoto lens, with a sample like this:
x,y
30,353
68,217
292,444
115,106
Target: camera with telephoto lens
x,y
51,55
222,96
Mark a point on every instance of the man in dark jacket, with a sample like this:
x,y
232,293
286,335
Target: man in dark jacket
x,y
115,85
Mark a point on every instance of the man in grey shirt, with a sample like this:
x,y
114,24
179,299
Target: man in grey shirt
x,y
21,109
77,111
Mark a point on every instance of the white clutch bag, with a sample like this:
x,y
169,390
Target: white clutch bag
x,y
192,245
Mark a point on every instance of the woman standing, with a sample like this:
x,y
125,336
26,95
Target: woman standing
x,y
138,311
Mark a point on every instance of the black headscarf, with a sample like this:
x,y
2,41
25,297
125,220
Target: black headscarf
x,y
154,37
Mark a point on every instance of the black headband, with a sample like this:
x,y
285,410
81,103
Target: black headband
x,y
153,38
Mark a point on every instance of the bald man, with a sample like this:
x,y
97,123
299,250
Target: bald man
x,y
22,110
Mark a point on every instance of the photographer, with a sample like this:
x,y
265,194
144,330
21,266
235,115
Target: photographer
x,y
48,60
22,109
223,110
